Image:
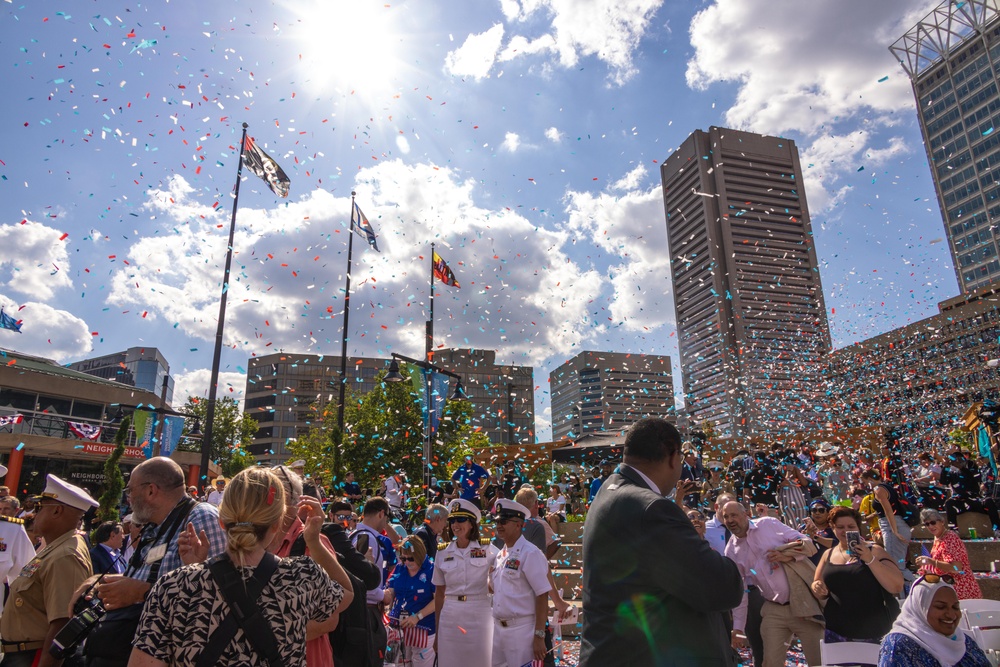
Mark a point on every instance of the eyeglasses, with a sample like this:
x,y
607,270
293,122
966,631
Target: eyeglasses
x,y
506,520
928,524
457,519
129,490
407,559
935,578
819,509
342,517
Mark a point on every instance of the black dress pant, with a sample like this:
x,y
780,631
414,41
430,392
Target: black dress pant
x,y
755,601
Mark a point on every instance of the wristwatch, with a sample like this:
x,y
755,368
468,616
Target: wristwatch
x,y
540,634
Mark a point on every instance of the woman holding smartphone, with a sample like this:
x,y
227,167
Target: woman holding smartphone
x,y
859,581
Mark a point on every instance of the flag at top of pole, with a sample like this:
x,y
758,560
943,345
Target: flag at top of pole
x,y
363,227
8,322
442,272
264,166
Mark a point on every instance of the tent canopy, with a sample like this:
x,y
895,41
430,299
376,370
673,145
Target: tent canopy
x,y
591,449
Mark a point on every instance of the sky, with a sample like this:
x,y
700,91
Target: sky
x,y
522,137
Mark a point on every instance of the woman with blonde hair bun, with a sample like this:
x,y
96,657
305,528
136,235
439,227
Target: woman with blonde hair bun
x,y
188,617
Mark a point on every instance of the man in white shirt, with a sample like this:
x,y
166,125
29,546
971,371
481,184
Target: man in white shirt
x,y
374,522
715,529
519,578
215,497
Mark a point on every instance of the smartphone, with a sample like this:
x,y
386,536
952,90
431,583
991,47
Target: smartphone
x,y
362,544
853,539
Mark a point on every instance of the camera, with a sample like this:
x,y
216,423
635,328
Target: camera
x,y
87,614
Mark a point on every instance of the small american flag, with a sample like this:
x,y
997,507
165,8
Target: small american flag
x,y
84,430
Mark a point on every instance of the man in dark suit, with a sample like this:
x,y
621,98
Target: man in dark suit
x,y
654,592
106,555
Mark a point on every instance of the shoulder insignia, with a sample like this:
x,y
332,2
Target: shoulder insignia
x,y
484,541
12,519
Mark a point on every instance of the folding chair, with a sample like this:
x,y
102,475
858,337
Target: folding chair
x,y
849,653
980,613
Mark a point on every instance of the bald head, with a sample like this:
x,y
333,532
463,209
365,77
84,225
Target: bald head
x,y
155,487
720,502
735,516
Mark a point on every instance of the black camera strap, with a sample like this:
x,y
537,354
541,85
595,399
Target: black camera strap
x,y
242,596
168,528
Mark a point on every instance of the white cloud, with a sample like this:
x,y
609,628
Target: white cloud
x,y
511,142
46,331
609,30
554,135
517,292
476,56
800,66
631,180
36,259
630,227
828,160
196,383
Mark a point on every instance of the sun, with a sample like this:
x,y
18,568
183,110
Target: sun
x,y
351,45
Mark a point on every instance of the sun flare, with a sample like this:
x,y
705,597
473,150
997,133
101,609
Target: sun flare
x,y
348,44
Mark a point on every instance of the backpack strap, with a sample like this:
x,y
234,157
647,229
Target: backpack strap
x,y
244,612
298,547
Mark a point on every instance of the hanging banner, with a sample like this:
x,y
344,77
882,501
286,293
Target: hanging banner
x,y
438,396
145,432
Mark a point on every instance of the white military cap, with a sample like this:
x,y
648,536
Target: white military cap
x,y
297,464
67,494
3,471
462,507
508,509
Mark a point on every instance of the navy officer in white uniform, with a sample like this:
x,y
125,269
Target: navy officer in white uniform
x,y
520,583
461,597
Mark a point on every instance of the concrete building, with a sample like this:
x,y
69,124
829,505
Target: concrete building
x,y
952,57
57,420
502,395
921,378
142,367
284,391
607,391
751,322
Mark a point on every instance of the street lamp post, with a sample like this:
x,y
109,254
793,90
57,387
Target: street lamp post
x,y
394,376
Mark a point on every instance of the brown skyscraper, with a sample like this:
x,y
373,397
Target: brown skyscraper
x,y
751,322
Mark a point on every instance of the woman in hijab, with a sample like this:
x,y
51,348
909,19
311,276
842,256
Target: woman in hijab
x,y
927,632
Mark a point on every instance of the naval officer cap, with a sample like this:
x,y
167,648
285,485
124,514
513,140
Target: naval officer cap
x,y
508,509
67,494
462,507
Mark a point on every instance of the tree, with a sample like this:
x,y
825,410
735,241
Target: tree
x,y
960,439
229,432
112,496
384,432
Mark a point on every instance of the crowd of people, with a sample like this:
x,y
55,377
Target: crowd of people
x,y
685,561
778,545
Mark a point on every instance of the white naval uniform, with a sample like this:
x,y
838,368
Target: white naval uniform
x,y
465,628
16,549
519,575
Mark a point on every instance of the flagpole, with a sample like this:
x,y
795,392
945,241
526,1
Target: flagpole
x,y
206,440
343,338
429,343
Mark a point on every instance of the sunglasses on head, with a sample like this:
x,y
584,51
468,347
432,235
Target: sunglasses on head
x,y
935,578
457,519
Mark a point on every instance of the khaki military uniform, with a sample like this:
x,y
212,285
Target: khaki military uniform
x,y
42,591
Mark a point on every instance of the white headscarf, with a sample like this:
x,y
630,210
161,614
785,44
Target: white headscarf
x,y
912,622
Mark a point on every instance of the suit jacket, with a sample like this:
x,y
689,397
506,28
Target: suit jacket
x,y
101,560
654,592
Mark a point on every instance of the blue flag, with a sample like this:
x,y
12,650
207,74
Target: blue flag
x,y
361,225
8,322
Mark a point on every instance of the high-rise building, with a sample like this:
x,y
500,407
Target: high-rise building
x,y
953,58
284,391
607,391
502,395
751,323
142,367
